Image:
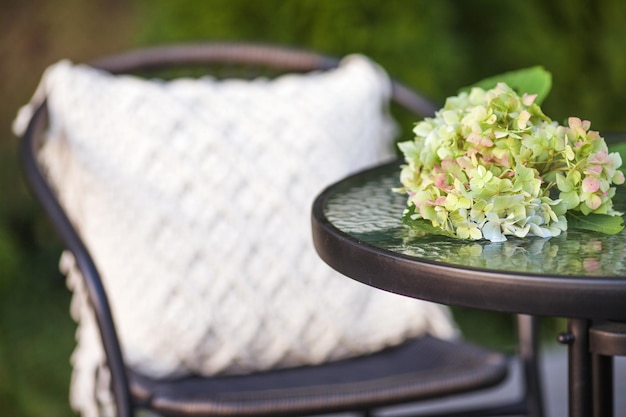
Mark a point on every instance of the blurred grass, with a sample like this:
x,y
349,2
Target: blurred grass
x,y
498,330
36,332
435,47
37,340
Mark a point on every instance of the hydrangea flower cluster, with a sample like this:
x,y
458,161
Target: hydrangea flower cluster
x,y
491,164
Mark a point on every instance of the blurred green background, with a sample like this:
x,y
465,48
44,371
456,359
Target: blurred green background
x,y
433,46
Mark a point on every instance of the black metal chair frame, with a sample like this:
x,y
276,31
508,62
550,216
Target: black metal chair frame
x,y
131,390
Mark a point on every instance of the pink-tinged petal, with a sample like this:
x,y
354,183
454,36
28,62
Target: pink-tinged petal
x,y
464,162
600,157
486,142
478,139
591,185
578,126
593,170
504,161
528,99
440,182
439,201
448,164
574,122
593,135
593,202
473,138
471,152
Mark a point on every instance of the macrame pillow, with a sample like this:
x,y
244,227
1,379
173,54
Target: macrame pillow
x,y
194,199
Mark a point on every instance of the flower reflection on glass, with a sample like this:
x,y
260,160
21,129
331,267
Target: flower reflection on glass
x,y
491,164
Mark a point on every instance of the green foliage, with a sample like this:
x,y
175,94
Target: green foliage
x,y
577,42
9,258
435,47
421,226
400,35
601,223
36,341
533,80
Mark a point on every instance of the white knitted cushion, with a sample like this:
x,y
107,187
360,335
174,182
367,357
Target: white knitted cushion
x,y
194,199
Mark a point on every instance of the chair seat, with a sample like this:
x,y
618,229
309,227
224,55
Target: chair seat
x,y
420,368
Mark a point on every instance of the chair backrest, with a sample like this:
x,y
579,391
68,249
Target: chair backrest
x,y
255,58
280,59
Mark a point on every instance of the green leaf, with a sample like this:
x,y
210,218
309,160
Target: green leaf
x,y
422,226
532,80
603,223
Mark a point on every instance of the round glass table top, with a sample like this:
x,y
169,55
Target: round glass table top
x,y
367,209
358,230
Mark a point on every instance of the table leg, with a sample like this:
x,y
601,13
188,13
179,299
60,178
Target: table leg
x,y
579,364
606,340
602,385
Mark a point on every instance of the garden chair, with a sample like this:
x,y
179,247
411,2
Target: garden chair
x,y
418,367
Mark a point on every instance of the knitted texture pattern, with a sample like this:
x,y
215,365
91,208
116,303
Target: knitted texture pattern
x,y
194,197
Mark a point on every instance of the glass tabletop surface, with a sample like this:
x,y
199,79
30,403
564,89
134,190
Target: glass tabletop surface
x,y
365,207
